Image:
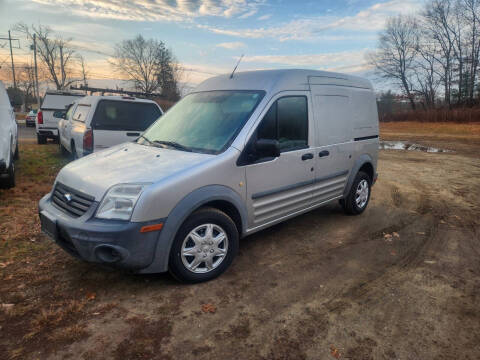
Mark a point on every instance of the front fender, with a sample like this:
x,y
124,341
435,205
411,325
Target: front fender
x,y
179,214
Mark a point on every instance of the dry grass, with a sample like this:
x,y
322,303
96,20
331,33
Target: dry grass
x,y
446,129
460,115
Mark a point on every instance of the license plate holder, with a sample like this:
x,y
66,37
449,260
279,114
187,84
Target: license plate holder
x,y
49,225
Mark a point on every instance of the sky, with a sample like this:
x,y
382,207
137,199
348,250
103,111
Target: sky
x,y
208,36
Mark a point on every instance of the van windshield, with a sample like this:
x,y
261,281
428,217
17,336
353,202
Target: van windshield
x,y
203,122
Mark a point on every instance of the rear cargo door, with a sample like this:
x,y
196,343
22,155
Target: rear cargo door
x,y
116,121
53,103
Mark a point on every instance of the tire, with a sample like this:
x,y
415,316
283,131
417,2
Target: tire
x,y
64,152
74,151
17,154
41,139
204,246
9,181
357,199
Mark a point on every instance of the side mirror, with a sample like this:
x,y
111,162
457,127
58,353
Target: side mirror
x,y
267,148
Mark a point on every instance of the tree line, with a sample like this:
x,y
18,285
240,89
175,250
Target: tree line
x,y
433,56
148,64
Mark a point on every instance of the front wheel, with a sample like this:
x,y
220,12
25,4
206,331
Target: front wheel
x,y
204,246
357,199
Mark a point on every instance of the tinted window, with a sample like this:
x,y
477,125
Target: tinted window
x,y
287,122
81,112
124,115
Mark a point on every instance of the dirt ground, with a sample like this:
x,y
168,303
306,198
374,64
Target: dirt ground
x,y
401,281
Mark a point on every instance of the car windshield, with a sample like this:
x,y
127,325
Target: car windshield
x,y
203,122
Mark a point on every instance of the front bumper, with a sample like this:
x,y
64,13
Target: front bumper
x,y
115,243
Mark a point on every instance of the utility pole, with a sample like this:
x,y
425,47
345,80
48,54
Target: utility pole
x,y
36,71
11,57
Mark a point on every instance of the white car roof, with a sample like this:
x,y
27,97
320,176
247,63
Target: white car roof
x,y
273,81
91,99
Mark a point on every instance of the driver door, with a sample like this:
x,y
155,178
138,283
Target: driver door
x,y
281,186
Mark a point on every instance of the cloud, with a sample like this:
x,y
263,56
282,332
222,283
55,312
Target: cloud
x,y
265,17
231,45
155,10
310,28
345,61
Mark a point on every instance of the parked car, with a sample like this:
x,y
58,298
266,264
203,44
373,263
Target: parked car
x,y
235,156
95,123
46,123
30,119
8,140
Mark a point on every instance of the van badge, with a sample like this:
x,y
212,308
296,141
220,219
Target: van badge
x,y
68,197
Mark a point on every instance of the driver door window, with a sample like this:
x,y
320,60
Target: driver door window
x,y
287,122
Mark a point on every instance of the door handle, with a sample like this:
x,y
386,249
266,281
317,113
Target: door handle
x,y
133,134
307,156
323,153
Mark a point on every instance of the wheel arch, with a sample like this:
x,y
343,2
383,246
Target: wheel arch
x,y
363,163
216,196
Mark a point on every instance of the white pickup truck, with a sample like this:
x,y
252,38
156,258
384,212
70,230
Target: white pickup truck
x,y
54,103
94,123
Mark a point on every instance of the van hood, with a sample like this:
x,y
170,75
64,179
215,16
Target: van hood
x,y
126,163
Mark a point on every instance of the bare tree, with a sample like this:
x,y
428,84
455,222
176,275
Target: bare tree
x,y
426,72
83,68
137,59
149,65
439,16
26,82
55,54
471,14
397,50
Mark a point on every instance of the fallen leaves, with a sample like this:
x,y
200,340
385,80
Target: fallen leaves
x,y
334,352
91,296
209,308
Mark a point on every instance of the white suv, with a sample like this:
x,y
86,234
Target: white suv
x,y
8,140
93,123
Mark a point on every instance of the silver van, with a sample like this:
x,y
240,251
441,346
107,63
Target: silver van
x,y
237,155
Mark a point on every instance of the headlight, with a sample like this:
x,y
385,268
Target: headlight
x,y
120,201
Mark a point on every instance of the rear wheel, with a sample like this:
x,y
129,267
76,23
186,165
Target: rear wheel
x,y
357,199
41,139
204,246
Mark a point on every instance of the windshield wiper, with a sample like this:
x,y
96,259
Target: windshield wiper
x,y
172,144
143,137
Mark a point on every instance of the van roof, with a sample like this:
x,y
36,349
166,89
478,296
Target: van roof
x,y
273,81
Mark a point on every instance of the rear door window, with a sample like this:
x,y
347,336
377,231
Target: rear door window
x,y
81,112
124,115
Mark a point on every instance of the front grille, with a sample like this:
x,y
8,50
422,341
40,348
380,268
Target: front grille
x,y
77,206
